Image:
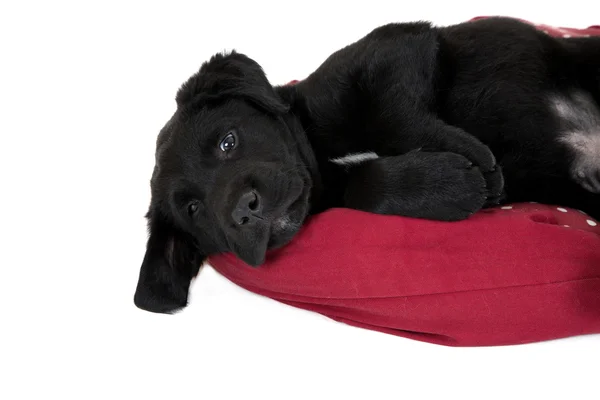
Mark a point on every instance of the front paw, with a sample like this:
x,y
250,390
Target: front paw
x,y
460,191
438,186
494,186
483,158
468,178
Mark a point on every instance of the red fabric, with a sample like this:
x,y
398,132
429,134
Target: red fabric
x,y
511,275
504,276
560,31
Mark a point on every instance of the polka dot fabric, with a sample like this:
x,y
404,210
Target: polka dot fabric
x,y
559,216
593,30
514,274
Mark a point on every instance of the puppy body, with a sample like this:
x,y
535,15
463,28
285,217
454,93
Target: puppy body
x,y
532,99
411,120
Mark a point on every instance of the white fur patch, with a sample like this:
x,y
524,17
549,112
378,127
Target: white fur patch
x,y
578,112
283,224
584,143
580,120
579,117
354,158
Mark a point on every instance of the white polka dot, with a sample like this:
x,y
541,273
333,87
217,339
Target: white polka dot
x,y
561,209
545,31
566,36
506,208
586,35
582,212
591,223
566,226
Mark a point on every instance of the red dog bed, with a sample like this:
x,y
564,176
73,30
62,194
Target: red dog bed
x,y
510,275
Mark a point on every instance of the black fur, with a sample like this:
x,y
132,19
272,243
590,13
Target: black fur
x,y
453,113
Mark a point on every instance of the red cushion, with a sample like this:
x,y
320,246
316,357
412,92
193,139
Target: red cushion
x,y
510,275
504,276
593,30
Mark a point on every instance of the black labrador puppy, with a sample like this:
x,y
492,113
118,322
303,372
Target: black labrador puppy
x,y
411,120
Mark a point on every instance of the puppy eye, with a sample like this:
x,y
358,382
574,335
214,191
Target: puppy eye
x,y
192,208
228,142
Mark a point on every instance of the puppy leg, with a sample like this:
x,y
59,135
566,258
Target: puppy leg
x,y
432,134
440,186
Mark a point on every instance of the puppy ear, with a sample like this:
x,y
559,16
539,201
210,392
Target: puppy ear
x,y
264,98
232,75
170,263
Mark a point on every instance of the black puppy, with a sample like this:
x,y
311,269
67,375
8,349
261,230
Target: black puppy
x,y
411,120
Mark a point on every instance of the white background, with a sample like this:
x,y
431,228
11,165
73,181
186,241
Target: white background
x,y
84,90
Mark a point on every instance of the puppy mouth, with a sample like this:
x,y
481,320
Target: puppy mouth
x,y
288,223
285,227
274,232
270,235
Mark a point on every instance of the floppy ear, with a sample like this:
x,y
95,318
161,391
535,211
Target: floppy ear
x,y
170,263
264,97
229,76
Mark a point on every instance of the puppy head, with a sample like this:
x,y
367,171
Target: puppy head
x,y
231,174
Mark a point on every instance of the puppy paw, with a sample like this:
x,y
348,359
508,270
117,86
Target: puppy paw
x,y
431,185
462,190
472,149
494,186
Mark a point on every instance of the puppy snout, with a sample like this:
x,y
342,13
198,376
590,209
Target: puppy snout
x,y
248,208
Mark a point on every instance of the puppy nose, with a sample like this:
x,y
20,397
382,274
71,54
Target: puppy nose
x,y
248,208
